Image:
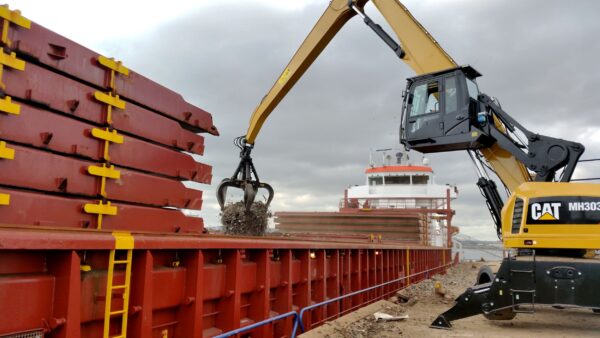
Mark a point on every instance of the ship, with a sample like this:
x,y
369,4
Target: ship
x,y
398,201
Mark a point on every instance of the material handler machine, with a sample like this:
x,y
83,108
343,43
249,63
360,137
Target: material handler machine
x,y
549,225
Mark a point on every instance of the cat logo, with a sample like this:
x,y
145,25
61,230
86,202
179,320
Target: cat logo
x,y
545,211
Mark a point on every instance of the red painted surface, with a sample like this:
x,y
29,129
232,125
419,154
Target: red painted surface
x,y
200,284
45,129
48,180
59,174
35,209
64,55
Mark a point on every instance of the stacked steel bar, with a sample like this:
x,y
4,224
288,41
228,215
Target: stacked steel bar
x,y
87,143
404,219
399,224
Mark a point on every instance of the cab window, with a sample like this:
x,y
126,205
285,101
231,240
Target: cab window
x,y
450,95
473,90
425,99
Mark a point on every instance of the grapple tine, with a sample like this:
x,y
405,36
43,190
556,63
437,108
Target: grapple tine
x,y
249,195
270,191
222,192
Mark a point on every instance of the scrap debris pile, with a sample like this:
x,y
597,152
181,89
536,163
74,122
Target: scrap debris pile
x,y
237,221
409,312
371,325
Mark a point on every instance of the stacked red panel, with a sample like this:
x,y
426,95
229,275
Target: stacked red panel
x,y
87,143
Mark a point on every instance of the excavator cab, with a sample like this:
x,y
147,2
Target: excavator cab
x,y
440,112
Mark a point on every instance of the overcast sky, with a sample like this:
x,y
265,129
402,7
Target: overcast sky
x,y
540,58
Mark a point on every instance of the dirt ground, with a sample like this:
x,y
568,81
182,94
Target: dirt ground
x,y
425,304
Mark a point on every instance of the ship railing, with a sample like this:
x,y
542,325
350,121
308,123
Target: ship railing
x,y
394,203
299,323
297,317
293,314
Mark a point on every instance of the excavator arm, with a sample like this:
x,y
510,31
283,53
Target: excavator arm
x,y
416,47
419,49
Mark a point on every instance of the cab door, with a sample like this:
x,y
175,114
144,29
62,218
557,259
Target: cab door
x,y
425,120
459,104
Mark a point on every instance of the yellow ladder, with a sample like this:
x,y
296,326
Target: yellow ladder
x,y
123,247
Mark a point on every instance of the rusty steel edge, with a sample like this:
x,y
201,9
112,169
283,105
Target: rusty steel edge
x,y
44,88
58,52
15,237
46,130
325,219
59,174
386,231
395,214
30,208
372,237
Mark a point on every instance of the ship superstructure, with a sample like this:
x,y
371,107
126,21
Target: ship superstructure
x,y
400,201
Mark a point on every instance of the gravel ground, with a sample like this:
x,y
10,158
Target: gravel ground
x,y
425,304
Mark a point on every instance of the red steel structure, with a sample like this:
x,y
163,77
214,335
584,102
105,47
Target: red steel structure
x,y
190,286
87,143
93,241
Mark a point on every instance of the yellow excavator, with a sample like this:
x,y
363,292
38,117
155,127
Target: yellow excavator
x,y
549,225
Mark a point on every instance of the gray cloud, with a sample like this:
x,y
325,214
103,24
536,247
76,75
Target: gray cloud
x,y
538,57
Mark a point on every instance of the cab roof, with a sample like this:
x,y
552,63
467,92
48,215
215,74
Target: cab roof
x,y
469,72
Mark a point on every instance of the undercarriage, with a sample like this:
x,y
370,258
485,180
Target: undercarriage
x,y
524,282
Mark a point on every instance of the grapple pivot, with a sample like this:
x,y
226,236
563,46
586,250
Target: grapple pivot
x,y
244,177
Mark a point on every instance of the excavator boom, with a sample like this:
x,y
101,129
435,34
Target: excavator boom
x,y
422,53
417,48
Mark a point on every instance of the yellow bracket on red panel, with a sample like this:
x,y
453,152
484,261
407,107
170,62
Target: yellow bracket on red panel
x,y
6,153
7,106
123,240
12,61
9,17
111,64
110,100
9,60
100,209
4,199
104,171
14,17
107,135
